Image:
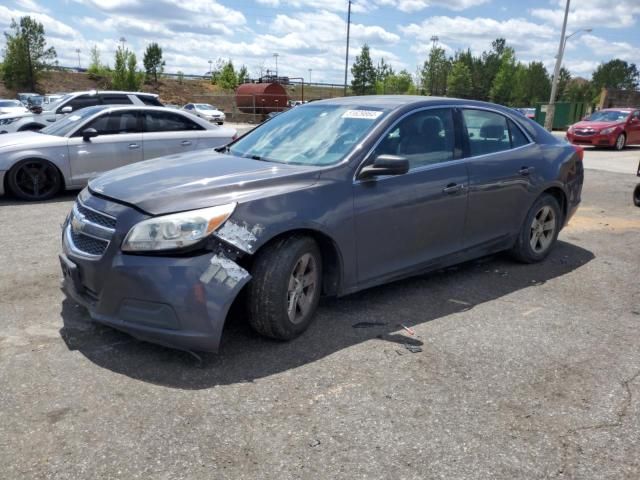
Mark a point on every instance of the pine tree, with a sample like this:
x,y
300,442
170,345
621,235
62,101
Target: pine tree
x,y
459,81
153,62
364,74
503,82
228,79
243,75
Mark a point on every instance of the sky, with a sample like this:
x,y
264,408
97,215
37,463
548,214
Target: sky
x,y
311,34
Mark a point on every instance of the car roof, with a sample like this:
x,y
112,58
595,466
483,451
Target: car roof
x,y
110,92
116,107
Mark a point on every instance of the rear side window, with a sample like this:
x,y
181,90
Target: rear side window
x,y
490,132
116,100
168,122
83,101
150,100
424,138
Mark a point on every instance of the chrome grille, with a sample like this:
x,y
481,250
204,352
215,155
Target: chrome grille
x,y
585,132
88,231
96,217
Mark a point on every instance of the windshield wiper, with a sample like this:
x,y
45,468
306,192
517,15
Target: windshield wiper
x,y
223,149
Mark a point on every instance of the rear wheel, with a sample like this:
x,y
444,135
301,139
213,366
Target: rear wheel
x,y
620,142
285,290
636,196
540,230
34,180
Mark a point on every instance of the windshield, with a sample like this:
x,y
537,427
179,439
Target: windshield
x,y
56,104
309,135
205,106
71,122
10,103
608,116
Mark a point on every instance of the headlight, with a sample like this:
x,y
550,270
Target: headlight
x,y
607,131
7,121
177,230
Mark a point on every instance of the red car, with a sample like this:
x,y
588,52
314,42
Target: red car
x,y
610,127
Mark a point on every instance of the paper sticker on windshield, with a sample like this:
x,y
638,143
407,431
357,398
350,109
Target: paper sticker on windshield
x,y
73,118
362,114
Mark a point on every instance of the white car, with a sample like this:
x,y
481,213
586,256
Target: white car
x,y
52,112
12,106
206,111
67,154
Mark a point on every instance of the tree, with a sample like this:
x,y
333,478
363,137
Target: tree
x,y
579,90
364,74
228,79
243,74
459,81
96,68
435,71
615,74
26,54
502,84
125,74
400,83
563,80
152,61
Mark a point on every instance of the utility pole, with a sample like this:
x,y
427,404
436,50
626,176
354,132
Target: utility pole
x,y
551,108
310,70
211,68
276,55
78,52
346,60
434,39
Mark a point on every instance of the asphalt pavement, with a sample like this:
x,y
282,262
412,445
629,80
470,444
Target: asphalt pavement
x,y
513,372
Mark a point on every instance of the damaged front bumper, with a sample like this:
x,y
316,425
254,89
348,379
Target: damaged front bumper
x,y
179,302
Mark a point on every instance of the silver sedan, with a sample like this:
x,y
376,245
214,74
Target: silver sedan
x,y
67,154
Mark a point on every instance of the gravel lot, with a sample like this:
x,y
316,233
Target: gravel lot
x,y
525,372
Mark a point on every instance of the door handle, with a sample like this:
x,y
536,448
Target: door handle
x,y
453,188
185,143
133,146
526,171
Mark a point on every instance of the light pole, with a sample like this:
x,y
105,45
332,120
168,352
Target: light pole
x,y
551,108
123,41
346,60
78,52
310,70
211,68
276,55
583,30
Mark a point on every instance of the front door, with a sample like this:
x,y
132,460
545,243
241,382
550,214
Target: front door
x,y
119,142
633,129
406,221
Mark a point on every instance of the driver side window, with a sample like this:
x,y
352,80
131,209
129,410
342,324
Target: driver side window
x,y
423,138
115,123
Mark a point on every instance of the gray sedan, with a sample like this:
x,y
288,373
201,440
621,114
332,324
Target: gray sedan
x,y
83,145
327,198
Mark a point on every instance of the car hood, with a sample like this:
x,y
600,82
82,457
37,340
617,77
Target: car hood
x,y
198,180
210,112
596,125
12,110
29,140
15,115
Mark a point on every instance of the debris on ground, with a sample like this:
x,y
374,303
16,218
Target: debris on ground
x,y
315,443
410,331
459,302
369,324
412,348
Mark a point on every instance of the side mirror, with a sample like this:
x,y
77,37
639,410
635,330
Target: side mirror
x,y
89,133
67,109
385,165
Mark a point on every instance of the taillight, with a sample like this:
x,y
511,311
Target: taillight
x,y
579,151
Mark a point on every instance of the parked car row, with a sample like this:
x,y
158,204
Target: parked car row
x,y
88,133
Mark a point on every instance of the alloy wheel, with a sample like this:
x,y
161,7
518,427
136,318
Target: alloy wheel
x,y
36,180
303,283
543,228
620,142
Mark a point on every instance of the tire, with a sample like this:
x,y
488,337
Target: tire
x,y
274,287
620,142
34,180
636,196
537,239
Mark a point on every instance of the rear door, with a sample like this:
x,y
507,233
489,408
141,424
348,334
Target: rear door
x,y
119,142
166,133
403,222
503,167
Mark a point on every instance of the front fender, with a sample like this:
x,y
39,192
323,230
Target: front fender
x,y
57,156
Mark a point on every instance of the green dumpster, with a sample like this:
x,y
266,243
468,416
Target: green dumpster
x,y
567,113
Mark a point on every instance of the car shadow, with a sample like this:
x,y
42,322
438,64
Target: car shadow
x,y
7,200
375,314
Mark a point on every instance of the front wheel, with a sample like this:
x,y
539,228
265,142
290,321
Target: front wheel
x,y
620,142
636,196
285,290
34,180
540,230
